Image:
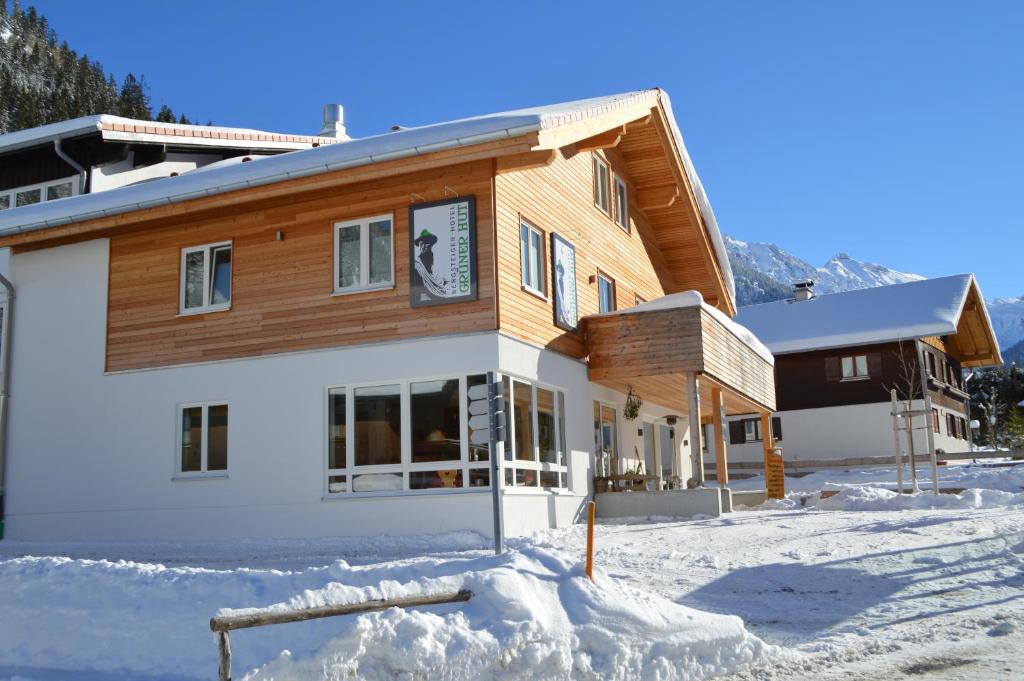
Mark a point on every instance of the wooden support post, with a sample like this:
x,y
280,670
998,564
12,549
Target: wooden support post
x,y
224,646
721,456
591,512
696,453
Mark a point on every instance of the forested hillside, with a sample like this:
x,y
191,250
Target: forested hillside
x,y
43,80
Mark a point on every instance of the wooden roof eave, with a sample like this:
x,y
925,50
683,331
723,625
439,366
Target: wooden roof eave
x,y
984,351
238,198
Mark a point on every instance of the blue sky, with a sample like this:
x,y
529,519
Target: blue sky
x,y
890,130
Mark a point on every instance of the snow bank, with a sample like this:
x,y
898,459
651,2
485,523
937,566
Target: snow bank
x,y
867,498
533,615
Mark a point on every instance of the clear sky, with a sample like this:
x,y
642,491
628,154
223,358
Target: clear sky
x,y
890,130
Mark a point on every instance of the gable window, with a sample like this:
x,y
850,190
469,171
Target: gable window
x,y
621,204
206,278
601,189
364,254
605,293
855,367
202,439
531,245
37,193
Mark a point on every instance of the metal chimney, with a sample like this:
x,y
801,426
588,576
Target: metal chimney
x,y
803,289
334,122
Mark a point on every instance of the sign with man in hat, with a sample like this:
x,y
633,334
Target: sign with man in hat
x,y
442,252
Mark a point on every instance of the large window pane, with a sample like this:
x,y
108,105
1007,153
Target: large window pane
x,y
562,458
477,452
5,201
434,407
217,438
524,253
378,426
506,392
847,367
451,479
27,198
337,431
194,279
537,263
862,365
58,191
380,252
523,415
220,291
606,291
191,439
546,426
348,256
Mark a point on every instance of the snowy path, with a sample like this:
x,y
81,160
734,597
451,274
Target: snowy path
x,y
861,595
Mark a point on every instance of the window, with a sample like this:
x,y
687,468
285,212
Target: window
x,y
855,367
930,363
203,439
621,204
364,254
37,193
415,436
606,293
532,256
206,278
601,185
751,430
605,439
936,427
742,431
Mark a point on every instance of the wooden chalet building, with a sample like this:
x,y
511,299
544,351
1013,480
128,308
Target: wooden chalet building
x,y
837,357
283,345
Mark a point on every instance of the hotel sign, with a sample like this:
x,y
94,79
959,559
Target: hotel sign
x,y
442,252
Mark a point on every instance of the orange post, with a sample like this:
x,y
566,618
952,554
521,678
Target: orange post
x,y
591,507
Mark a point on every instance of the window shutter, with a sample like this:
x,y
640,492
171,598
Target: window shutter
x,y
777,428
736,435
832,368
875,364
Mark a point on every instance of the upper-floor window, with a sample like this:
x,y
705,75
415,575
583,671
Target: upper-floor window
x,y
854,367
203,439
605,293
621,204
364,254
37,193
930,363
206,278
601,188
531,245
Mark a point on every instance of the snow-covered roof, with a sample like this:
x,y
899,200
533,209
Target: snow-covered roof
x,y
686,299
931,307
357,152
118,128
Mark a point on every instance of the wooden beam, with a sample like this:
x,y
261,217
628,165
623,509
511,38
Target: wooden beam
x,y
653,198
604,140
721,458
525,161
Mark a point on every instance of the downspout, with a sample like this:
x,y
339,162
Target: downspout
x,y
83,176
5,368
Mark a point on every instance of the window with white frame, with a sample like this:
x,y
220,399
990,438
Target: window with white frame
x,y
855,367
413,436
206,278
531,245
202,439
751,430
621,204
605,293
364,254
601,189
605,439
37,193
535,453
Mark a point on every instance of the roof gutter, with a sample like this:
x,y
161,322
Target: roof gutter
x,y
83,174
5,371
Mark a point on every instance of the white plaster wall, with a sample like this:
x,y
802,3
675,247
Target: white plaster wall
x,y
850,431
92,455
121,173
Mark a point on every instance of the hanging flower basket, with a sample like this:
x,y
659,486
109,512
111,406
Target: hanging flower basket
x,y
633,404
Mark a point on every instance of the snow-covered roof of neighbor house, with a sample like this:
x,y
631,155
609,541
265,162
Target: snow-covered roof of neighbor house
x,y
117,128
930,307
326,158
685,299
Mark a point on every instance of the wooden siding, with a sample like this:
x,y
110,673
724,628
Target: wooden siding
x,y
559,198
282,290
734,365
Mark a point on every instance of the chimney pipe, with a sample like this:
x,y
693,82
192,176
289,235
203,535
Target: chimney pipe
x,y
803,289
334,122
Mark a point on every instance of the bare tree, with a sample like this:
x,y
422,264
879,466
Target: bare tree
x,y
908,387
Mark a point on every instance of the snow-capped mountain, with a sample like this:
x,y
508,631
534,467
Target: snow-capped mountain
x,y
765,272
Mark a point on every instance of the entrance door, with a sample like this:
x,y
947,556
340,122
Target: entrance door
x,y
667,449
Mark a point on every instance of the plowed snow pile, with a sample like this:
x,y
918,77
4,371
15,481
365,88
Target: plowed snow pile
x,y
533,615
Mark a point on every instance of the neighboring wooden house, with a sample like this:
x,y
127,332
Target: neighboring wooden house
x,y
837,357
284,347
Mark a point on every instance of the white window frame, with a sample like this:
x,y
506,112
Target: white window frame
x,y
207,250
527,265
512,464
203,473
406,466
602,189
364,255
621,202
855,374
752,430
614,303
12,193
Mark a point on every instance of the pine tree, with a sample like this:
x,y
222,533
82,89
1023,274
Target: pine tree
x,y
165,115
133,102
